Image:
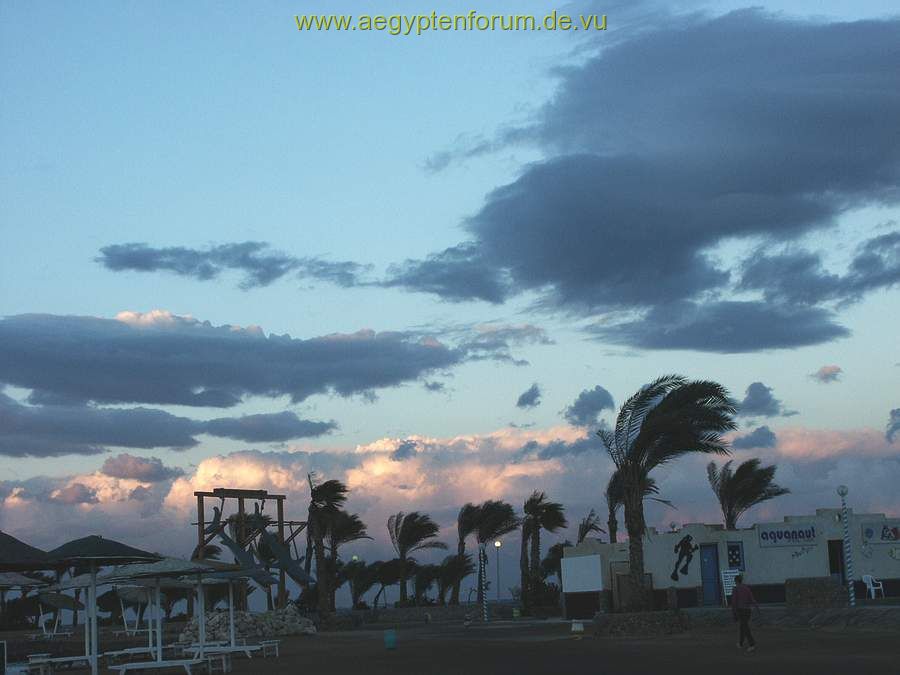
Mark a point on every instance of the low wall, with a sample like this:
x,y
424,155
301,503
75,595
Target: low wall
x,y
815,592
640,623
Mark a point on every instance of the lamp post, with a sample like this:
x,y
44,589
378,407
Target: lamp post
x,y
497,545
848,555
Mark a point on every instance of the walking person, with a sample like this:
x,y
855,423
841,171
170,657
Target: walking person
x,y
742,602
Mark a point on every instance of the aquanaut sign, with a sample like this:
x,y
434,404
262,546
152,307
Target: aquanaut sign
x,y
782,534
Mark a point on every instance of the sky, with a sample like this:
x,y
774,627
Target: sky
x,y
433,266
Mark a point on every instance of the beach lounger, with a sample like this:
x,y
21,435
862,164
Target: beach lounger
x,y
239,649
269,647
184,664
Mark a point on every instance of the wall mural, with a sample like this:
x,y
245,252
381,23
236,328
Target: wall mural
x,y
685,550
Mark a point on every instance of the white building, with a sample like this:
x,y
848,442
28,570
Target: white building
x,y
766,554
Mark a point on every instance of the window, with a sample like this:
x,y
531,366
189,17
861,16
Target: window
x,y
736,555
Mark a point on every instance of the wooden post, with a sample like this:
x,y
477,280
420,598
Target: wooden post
x,y
282,589
201,526
241,534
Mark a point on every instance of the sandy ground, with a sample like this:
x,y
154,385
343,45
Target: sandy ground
x,y
549,647
519,649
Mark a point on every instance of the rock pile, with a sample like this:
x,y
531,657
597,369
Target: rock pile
x,y
280,622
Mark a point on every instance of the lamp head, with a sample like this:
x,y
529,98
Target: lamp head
x,y
498,543
842,490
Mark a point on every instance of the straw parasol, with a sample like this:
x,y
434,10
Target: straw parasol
x,y
96,551
17,556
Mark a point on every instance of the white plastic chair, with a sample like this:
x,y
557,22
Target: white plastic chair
x,y
873,585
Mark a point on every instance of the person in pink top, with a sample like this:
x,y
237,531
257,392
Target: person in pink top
x,y
742,602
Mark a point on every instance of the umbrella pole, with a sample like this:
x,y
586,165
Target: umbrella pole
x,y
87,623
94,640
231,611
159,623
201,602
149,611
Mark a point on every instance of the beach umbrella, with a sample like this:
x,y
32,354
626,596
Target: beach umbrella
x,y
17,556
96,551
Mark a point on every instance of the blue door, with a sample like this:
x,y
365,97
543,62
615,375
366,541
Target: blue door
x,y
709,574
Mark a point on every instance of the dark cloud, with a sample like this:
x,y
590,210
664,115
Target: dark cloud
x,y
656,158
827,374
51,431
530,398
405,450
495,342
559,448
259,265
893,425
761,437
455,274
141,494
434,386
800,276
759,400
164,359
586,409
264,428
724,326
146,469
76,493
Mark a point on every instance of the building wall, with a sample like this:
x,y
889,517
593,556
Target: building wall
x,y
763,565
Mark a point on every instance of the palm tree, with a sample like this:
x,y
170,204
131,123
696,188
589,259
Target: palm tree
x,y
343,528
552,564
452,571
325,501
494,519
466,522
524,568
425,576
386,574
362,577
590,523
544,515
615,497
750,484
665,420
411,532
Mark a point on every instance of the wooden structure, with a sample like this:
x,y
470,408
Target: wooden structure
x,y
244,537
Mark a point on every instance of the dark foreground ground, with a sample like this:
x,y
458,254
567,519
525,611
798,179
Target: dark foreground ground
x,y
522,649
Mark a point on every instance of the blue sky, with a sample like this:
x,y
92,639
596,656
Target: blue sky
x,y
767,193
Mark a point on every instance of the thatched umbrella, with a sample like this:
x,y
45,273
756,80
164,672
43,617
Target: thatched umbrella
x,y
96,551
17,556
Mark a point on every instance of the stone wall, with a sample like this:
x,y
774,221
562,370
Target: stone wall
x,y
280,622
640,623
815,592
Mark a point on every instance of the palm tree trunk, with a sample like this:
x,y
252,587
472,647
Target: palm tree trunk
x,y
460,552
535,562
403,589
525,574
635,524
612,526
322,580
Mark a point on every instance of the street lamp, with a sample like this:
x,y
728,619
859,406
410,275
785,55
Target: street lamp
x,y
848,555
497,545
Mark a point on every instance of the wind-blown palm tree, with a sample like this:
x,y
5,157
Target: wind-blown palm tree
x,y
325,501
615,497
552,564
590,523
411,532
361,576
665,420
466,522
544,515
425,576
495,518
452,571
740,490
387,573
343,528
